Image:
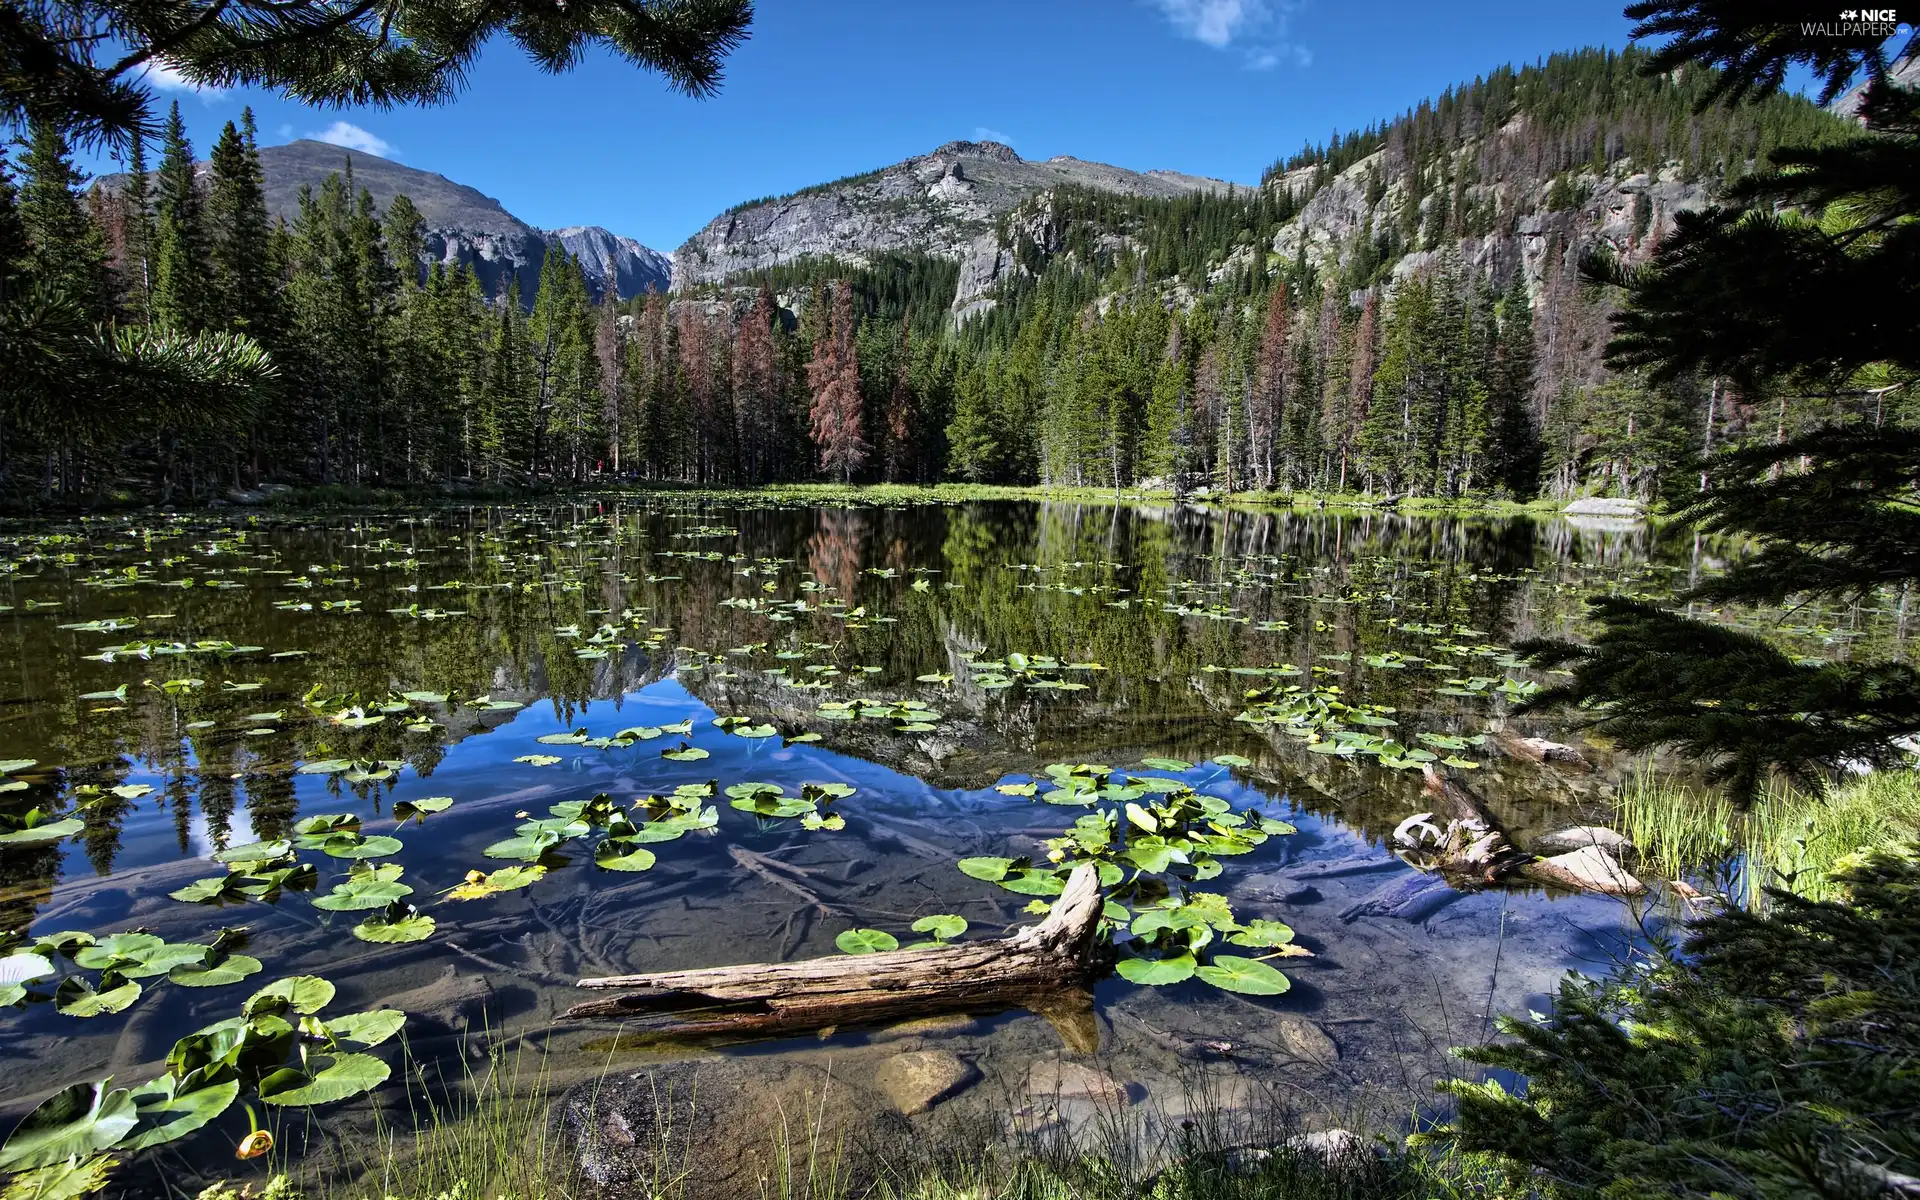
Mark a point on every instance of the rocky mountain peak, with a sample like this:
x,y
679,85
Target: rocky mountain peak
x,y
993,150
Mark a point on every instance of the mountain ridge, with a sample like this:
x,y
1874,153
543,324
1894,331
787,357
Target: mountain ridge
x,y
463,226
943,203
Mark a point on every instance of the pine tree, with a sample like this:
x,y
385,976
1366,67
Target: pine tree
x,y
136,265
179,297
244,293
64,249
1771,299
834,377
902,456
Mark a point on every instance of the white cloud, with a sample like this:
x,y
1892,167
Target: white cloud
x,y
1255,28
168,78
286,130
345,133
982,134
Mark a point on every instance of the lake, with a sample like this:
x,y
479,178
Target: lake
x,y
187,685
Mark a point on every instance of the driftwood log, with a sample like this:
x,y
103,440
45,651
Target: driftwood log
x,y
1460,847
1044,968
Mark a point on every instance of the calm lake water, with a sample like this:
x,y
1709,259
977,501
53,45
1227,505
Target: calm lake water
x,y
251,647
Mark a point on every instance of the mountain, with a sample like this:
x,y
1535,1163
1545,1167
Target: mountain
x,y
944,204
608,257
463,225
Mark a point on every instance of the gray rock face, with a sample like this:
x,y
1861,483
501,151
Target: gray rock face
x,y
941,203
612,261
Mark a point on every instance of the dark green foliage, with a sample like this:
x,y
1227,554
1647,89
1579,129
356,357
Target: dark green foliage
x,y
1809,285
1840,520
1653,678
1773,1059
1752,42
79,63
1579,104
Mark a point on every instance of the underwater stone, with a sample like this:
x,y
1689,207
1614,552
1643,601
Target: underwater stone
x,y
919,1079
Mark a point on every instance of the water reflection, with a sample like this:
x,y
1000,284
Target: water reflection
x,y
170,676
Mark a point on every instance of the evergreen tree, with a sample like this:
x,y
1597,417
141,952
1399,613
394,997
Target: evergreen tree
x,y
245,293
179,299
136,262
65,251
1769,292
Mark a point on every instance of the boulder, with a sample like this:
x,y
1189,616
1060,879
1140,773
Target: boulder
x,y
1593,869
1051,1078
1576,837
916,1080
1306,1040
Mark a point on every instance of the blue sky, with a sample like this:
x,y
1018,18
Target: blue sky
x,y
827,88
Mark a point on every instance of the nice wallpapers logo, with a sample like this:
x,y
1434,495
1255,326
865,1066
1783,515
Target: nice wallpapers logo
x,y
1860,22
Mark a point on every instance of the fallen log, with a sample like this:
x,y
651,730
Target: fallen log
x,y
1045,968
1472,851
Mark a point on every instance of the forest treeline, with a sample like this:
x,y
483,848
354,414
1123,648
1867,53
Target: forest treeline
x,y
1138,340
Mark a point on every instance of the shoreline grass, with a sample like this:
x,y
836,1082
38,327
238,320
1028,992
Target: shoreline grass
x,y
1790,838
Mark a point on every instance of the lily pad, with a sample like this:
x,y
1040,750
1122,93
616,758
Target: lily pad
x,y
866,941
219,971
344,1077
479,885
1244,975
398,922
303,994
1156,972
75,1121
618,856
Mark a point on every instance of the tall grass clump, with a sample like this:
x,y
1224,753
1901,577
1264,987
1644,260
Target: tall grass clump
x,y
481,1136
1790,838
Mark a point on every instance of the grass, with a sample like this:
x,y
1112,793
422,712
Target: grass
x,y
489,1138
1789,839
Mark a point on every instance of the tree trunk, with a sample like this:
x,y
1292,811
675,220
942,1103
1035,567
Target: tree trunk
x,y
1043,967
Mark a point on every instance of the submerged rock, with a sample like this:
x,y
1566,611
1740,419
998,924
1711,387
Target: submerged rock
x,y
1306,1040
919,1079
1073,1081
1576,837
1595,869
714,1128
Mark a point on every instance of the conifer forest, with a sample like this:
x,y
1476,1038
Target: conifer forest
x,y
1162,342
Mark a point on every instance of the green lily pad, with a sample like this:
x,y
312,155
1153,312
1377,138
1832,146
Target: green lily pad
x,y
219,972
51,831
167,1114
75,1121
943,926
619,856
422,808
367,1028
992,870
1167,764
344,1077
1244,975
866,941
75,997
1156,972
303,994
398,922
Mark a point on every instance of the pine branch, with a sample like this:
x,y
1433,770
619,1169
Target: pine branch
x,y
1843,524
1656,678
